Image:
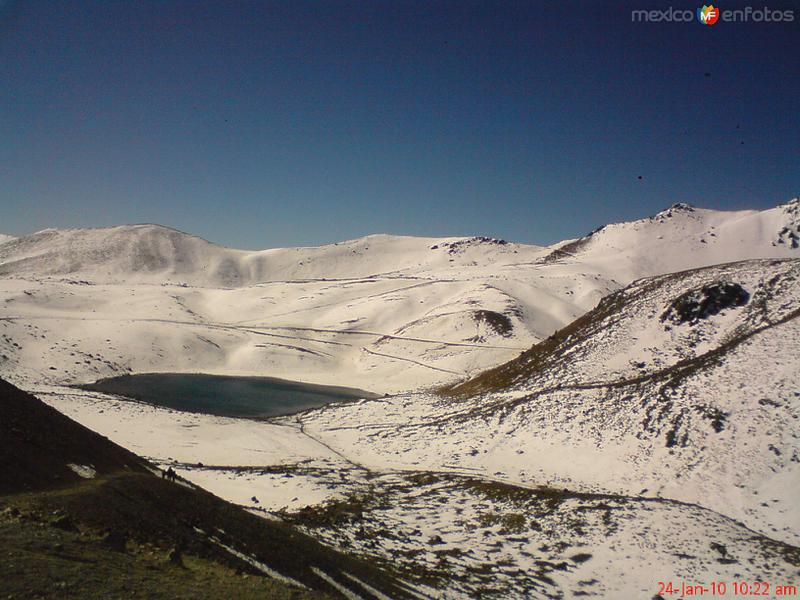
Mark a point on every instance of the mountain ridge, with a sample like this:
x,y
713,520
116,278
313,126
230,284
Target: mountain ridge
x,y
166,252
442,308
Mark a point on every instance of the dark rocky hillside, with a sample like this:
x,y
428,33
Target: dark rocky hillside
x,y
38,442
109,527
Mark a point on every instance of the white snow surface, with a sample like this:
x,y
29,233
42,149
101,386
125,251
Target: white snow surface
x,y
705,413
381,313
663,437
85,471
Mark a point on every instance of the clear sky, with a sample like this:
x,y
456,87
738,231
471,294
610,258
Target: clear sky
x,y
263,124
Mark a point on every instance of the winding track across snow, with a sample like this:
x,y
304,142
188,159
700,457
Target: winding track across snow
x,y
252,329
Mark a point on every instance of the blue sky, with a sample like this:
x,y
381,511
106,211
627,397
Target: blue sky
x,y
263,124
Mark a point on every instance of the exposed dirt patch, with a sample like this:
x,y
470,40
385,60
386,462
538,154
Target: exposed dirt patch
x,y
497,322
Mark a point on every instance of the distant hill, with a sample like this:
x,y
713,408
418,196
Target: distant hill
x,y
685,237
134,251
153,253
676,238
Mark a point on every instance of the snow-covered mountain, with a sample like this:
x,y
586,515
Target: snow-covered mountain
x,y
156,254
685,237
386,313
131,252
677,238
654,439
642,425
684,386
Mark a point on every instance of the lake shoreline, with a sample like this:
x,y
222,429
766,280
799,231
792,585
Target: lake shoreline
x,y
252,397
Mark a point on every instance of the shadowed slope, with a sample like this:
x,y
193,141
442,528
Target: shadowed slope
x,y
72,527
37,443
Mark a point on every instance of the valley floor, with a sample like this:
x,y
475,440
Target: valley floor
x,y
453,532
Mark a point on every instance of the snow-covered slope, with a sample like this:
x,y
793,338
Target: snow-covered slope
x,y
670,388
385,313
6,238
684,237
675,239
150,298
650,437
653,440
134,252
157,254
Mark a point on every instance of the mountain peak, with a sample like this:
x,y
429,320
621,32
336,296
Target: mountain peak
x,y
677,208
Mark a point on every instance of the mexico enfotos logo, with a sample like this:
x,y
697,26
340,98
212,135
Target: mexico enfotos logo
x,y
710,15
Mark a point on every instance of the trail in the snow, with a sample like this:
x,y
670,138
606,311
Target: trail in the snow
x,y
254,329
410,360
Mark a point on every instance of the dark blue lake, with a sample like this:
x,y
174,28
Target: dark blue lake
x,y
225,395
